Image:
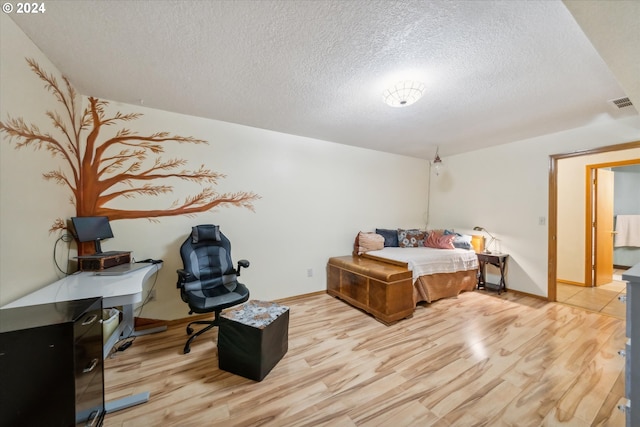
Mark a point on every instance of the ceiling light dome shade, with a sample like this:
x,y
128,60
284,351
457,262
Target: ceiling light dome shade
x,y
403,93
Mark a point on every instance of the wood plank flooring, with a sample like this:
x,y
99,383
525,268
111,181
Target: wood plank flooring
x,y
603,299
476,360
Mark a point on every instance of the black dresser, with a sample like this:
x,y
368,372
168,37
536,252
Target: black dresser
x,y
632,348
51,368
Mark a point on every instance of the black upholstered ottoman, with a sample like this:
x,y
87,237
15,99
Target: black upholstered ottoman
x,y
252,338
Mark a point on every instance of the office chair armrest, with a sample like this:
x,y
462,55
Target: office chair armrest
x,y
242,263
183,277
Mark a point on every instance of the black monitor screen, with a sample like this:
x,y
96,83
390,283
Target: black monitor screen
x,y
92,229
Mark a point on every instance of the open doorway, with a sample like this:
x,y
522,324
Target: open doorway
x,y
553,206
586,230
600,216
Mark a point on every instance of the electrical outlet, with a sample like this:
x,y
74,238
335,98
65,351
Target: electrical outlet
x,y
152,295
309,272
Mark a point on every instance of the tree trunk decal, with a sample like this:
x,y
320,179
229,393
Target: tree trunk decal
x,y
102,170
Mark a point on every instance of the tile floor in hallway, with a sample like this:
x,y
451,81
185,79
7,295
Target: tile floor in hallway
x,y
602,299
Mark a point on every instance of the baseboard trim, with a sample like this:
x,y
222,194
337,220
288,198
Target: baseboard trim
x,y
142,323
204,316
569,282
209,316
527,294
301,296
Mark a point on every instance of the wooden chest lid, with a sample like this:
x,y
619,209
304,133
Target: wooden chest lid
x,y
379,270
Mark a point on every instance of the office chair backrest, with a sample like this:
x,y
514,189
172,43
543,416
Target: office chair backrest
x,y
206,254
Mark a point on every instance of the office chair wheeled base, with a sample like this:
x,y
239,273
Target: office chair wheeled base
x,y
210,324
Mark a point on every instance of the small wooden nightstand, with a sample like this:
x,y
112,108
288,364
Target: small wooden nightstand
x,y
500,261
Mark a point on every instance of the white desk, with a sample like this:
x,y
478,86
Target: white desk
x,y
124,290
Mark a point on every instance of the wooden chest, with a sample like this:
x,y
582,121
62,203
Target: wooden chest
x,y
99,262
379,288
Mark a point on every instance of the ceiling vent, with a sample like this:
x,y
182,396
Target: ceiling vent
x,y
621,102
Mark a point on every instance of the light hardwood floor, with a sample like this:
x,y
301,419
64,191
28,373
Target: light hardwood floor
x,y
476,360
603,299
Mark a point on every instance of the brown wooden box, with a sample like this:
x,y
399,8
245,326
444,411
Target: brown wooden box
x,y
382,289
100,262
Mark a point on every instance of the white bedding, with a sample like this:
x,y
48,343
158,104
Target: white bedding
x,y
423,261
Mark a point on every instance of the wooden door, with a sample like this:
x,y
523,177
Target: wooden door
x,y
603,234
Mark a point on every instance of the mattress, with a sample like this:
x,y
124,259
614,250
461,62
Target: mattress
x,y
425,261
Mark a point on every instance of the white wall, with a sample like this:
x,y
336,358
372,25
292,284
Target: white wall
x,y
315,197
505,190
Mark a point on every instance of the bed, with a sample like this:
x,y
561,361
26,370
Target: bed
x,y
436,273
388,283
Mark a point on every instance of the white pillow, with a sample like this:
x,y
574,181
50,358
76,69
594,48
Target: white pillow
x,y
368,242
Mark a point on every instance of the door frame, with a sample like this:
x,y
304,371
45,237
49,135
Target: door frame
x,y
589,205
552,244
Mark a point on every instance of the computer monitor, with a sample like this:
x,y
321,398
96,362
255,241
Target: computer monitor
x,y
92,229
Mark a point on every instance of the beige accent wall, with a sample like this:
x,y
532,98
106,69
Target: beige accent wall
x,y
28,203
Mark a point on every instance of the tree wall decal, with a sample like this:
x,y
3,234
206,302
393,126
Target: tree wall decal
x,y
104,169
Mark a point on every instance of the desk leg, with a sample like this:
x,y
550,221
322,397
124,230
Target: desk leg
x,y
127,330
127,320
129,324
126,402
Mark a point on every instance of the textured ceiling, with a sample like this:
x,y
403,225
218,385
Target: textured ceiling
x,y
495,71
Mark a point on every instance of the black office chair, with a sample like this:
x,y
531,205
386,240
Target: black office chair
x,y
208,282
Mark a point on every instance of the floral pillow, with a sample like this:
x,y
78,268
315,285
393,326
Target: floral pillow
x,y
411,238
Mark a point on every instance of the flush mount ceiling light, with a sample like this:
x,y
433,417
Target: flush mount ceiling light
x,y
403,93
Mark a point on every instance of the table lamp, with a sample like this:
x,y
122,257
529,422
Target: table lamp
x,y
488,246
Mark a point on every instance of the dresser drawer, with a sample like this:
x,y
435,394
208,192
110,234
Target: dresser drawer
x,y
86,324
87,351
627,368
625,299
90,404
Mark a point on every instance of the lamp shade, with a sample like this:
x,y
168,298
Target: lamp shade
x,y
487,249
477,242
403,93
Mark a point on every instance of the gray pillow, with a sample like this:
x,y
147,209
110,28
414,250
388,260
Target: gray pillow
x,y
461,241
390,237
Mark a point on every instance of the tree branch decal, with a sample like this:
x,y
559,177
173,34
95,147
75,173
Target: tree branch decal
x,y
127,165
